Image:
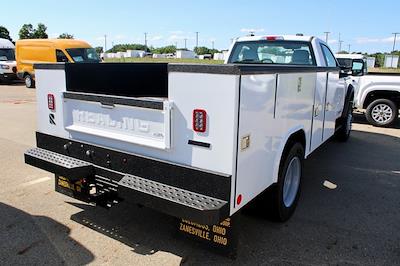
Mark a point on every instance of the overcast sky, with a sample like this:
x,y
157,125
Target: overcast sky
x,y
365,25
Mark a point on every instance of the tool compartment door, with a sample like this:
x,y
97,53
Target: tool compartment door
x,y
132,121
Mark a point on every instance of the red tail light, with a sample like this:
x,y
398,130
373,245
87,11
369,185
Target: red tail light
x,y
273,38
51,103
199,120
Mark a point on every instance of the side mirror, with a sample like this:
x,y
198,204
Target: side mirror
x,y
345,71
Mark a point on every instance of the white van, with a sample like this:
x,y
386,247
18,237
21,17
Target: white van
x,y
8,66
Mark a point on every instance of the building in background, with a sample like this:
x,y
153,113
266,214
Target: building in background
x,y
185,54
370,62
391,61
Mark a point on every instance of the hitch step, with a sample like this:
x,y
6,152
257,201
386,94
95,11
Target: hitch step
x,y
59,164
172,200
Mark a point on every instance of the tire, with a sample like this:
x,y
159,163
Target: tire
x,y
343,133
29,82
281,202
382,113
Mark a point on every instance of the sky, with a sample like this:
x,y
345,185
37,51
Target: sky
x,y
366,26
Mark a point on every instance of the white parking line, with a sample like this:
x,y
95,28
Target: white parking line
x,y
37,181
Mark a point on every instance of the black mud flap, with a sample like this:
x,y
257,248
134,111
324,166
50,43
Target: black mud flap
x,y
221,238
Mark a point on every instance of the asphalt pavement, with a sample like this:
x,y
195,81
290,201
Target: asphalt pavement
x,y
357,223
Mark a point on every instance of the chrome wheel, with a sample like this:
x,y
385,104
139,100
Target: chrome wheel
x,y
382,113
292,181
28,81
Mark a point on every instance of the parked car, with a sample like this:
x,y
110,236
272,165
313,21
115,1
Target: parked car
x,y
377,95
8,67
197,142
34,51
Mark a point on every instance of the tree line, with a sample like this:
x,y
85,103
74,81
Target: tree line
x,y
27,31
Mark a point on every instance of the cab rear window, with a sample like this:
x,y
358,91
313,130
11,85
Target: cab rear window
x,y
272,52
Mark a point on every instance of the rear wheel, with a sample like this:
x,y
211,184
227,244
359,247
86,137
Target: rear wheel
x,y
284,196
382,113
29,82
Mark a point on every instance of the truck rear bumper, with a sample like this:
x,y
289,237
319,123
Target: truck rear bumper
x,y
173,189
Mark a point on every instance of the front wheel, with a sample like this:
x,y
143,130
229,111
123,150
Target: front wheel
x,y
29,82
382,113
285,194
343,133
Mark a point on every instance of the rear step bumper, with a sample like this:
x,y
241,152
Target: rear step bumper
x,y
162,197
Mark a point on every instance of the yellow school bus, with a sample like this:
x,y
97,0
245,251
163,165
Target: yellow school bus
x,y
33,51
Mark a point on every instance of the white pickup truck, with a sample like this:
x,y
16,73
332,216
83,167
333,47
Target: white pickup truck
x,y
194,141
376,94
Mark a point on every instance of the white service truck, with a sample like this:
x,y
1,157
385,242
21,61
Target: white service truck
x,y
377,95
194,141
8,66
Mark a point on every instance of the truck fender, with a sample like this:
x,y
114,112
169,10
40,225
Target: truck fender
x,y
281,148
372,87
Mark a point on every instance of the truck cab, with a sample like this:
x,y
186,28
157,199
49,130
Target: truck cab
x,y
8,67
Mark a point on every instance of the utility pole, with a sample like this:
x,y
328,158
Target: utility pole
x,y
212,44
185,42
394,46
105,42
145,40
326,36
340,43
349,47
197,39
231,40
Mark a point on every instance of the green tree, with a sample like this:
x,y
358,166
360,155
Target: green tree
x,y
204,50
66,36
124,47
4,33
26,31
40,32
343,52
99,49
170,49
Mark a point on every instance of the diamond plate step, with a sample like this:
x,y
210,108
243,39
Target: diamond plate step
x,y
172,200
57,163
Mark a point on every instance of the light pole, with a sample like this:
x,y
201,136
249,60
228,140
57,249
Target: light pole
x,y
185,42
394,46
105,42
340,44
326,36
349,47
212,44
145,40
197,39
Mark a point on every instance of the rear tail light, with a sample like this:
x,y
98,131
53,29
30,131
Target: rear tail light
x,y
199,120
51,103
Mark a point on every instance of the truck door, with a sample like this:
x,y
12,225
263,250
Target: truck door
x,y
318,110
333,94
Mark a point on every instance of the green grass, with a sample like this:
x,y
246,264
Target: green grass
x,y
163,60
383,70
